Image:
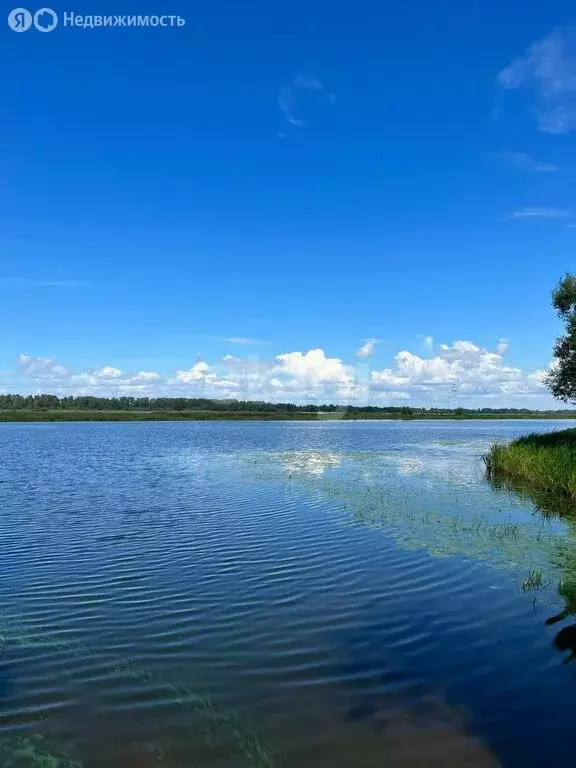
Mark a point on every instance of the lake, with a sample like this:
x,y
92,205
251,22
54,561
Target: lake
x,y
326,594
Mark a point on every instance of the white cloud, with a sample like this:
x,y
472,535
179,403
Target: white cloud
x,y
524,162
428,342
548,70
198,372
538,213
41,367
108,372
108,381
476,375
312,366
367,349
464,365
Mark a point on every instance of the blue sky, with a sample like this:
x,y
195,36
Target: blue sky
x,y
210,203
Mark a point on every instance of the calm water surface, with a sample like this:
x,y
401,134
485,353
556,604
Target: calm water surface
x,y
327,594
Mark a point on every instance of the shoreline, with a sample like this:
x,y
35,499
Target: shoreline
x,y
64,416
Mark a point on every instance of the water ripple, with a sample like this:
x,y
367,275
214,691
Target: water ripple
x,y
226,594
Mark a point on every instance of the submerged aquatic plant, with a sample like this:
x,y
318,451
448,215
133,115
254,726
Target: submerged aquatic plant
x,y
33,752
246,739
450,523
534,580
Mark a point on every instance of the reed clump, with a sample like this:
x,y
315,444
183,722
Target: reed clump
x,y
546,461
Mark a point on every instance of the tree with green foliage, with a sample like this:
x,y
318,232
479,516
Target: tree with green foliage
x,y
562,378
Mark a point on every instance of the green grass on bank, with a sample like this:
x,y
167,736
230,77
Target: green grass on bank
x,y
546,461
94,415
63,414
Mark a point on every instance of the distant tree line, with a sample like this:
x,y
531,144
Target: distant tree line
x,y
47,402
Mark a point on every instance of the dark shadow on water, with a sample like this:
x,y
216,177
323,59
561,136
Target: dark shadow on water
x,y
546,503
565,640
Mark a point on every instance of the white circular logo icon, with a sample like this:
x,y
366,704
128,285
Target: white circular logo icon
x,y
20,20
45,20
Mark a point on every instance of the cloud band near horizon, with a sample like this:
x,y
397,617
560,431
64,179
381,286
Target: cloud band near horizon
x,y
463,372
